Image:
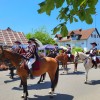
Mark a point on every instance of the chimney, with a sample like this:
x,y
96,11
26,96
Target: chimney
x,y
80,29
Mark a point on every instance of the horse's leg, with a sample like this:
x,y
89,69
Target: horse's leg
x,y
66,68
75,67
44,75
25,91
63,67
11,72
54,80
86,76
40,80
21,83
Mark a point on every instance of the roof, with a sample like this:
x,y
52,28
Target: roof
x,y
58,35
84,34
64,39
8,37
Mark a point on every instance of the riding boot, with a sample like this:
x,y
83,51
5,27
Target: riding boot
x,y
70,59
95,63
30,73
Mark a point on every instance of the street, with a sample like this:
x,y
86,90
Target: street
x,y
70,86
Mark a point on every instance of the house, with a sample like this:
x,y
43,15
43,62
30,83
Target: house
x,y
8,37
80,38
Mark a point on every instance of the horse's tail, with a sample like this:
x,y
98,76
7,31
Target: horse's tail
x,y
55,81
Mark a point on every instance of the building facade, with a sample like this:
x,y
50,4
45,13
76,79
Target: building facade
x,y
80,38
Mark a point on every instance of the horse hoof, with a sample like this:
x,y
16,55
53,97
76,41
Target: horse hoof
x,y
11,77
38,82
20,86
85,82
50,92
22,96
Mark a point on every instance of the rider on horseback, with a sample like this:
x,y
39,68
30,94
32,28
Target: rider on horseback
x,y
31,53
16,47
93,52
68,52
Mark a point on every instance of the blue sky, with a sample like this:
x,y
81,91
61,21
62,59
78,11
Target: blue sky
x,y
22,15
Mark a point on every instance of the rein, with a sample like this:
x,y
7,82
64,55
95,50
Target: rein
x,y
85,58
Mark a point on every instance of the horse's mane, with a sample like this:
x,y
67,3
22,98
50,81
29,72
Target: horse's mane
x,y
82,53
12,53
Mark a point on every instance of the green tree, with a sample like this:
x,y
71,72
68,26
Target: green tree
x,y
41,35
29,35
69,11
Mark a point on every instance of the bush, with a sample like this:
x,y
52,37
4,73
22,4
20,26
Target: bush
x,y
77,49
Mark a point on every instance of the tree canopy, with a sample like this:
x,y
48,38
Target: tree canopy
x,y
41,35
69,11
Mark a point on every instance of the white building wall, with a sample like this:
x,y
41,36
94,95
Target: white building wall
x,y
93,39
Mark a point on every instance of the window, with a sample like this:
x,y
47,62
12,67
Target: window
x,y
94,35
91,35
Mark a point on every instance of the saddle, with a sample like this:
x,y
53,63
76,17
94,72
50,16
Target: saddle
x,y
97,60
35,65
70,59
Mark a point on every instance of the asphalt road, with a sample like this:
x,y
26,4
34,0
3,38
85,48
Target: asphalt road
x,y
70,86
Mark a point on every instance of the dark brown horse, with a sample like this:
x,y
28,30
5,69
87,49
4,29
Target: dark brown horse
x,y
47,64
64,59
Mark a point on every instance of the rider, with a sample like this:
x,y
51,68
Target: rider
x,y
52,54
68,52
92,54
16,47
31,55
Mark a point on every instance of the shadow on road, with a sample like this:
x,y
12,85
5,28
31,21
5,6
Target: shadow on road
x,y
74,73
94,82
44,85
14,79
77,73
56,97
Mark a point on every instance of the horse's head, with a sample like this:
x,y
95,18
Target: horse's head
x,y
80,55
62,57
8,57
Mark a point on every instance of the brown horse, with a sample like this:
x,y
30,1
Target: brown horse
x,y
47,64
64,59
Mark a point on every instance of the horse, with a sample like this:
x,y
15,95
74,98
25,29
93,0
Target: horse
x,y
64,59
87,61
42,77
46,64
